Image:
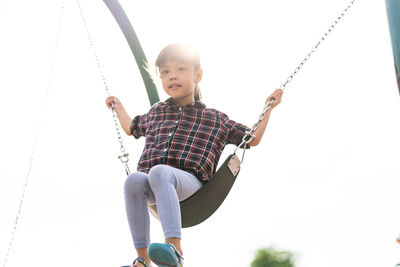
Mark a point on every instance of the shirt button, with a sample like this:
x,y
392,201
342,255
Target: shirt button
x,y
165,150
170,134
176,122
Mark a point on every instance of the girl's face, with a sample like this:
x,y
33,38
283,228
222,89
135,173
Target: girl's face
x,y
179,81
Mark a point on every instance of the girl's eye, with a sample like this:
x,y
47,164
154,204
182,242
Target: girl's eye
x,y
182,68
164,72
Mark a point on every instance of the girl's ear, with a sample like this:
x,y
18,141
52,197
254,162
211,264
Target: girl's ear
x,y
199,75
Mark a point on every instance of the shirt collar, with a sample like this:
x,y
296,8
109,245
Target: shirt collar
x,y
197,104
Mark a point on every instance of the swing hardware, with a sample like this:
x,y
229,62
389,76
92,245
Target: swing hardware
x,y
234,165
124,157
127,170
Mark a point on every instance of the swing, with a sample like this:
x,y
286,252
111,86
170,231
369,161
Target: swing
x,y
201,205
224,178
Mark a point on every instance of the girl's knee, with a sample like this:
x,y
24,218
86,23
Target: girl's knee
x,y
136,183
159,174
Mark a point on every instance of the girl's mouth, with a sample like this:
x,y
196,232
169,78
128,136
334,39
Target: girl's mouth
x,y
174,86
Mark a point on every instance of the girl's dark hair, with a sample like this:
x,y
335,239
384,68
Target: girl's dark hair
x,y
180,53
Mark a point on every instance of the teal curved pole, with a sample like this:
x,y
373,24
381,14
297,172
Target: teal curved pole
x,y
393,13
133,41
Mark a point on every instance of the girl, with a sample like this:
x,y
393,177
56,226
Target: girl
x,y
184,141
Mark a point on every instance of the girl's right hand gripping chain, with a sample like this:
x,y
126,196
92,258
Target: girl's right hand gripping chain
x,y
113,102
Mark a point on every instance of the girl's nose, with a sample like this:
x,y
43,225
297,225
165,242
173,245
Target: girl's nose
x,y
173,76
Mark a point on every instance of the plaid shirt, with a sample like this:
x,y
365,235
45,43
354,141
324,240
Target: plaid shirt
x,y
190,138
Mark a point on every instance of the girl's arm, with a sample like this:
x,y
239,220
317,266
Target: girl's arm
x,y
277,96
124,119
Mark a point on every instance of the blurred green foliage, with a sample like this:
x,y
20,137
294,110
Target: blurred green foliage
x,y
270,257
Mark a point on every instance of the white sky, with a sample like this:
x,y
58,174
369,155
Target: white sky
x,y
324,182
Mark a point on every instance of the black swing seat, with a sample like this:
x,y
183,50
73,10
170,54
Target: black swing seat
x,y
201,205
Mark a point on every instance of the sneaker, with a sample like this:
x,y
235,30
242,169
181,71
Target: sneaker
x,y
165,255
138,259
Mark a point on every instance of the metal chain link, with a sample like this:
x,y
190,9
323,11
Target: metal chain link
x,y
124,156
250,134
315,47
33,153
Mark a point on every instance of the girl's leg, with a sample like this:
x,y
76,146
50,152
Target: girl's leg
x,y
170,186
137,194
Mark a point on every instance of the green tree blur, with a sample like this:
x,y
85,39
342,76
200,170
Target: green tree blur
x,y
270,257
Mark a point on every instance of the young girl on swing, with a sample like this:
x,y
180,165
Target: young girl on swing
x,y
184,141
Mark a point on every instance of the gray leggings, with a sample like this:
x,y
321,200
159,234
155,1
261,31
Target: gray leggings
x,y
164,186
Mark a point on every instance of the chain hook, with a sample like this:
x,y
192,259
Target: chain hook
x,y
124,157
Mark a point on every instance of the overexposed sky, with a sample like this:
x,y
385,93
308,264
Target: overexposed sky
x,y
323,184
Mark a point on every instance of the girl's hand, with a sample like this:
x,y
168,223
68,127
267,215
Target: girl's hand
x,y
123,117
276,96
113,100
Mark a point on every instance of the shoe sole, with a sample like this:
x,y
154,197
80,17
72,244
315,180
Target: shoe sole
x,y
162,255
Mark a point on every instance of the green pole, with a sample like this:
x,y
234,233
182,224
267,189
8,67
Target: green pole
x,y
393,13
133,41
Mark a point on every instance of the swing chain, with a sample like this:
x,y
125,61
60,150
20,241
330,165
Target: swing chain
x,y
250,134
315,47
123,156
39,129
